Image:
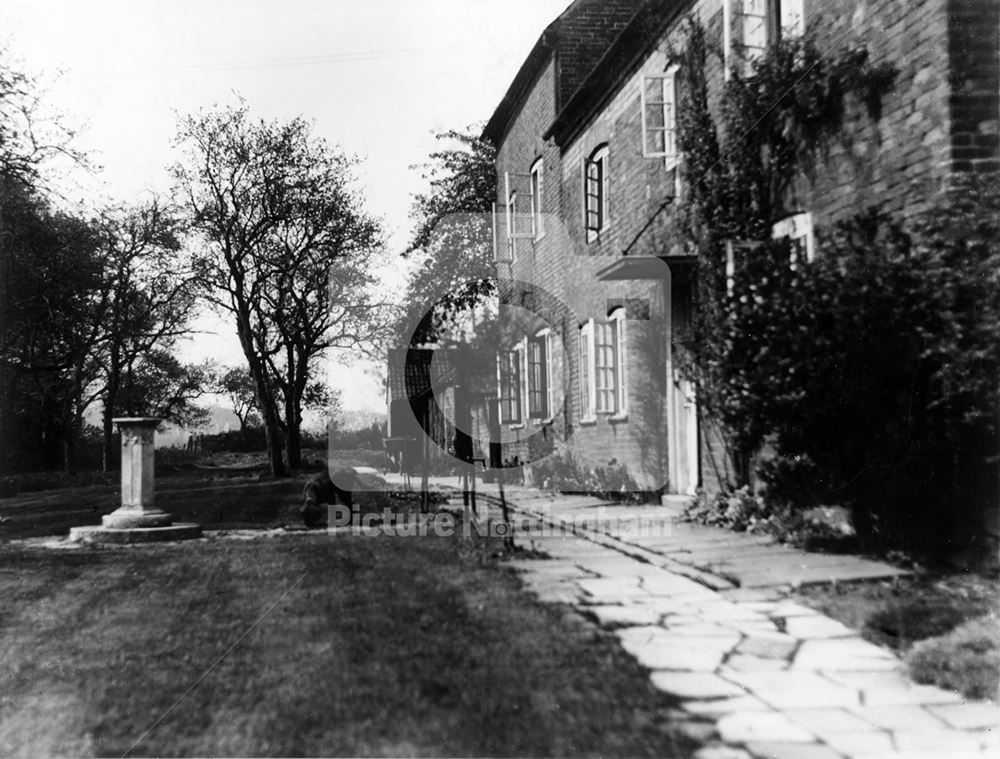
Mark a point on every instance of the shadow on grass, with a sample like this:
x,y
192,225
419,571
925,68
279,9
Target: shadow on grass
x,y
378,647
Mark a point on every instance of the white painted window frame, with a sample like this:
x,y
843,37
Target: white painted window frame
x,y
787,15
536,182
602,370
600,155
588,392
668,83
618,318
797,227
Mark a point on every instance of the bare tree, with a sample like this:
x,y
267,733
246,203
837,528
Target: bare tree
x,y
281,230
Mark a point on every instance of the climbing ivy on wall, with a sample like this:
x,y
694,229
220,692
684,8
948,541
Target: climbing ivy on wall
x,y
872,371
742,156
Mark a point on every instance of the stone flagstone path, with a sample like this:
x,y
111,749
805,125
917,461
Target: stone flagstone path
x,y
777,679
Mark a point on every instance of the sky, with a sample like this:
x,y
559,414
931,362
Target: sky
x,y
377,77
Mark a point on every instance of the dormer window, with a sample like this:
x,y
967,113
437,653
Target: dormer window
x,y
596,192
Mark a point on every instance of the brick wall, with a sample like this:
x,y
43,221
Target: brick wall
x,y
586,29
940,118
974,79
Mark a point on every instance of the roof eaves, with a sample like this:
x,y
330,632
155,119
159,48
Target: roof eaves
x,y
543,49
614,67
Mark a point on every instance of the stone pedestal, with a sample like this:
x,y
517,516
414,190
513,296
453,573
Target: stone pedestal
x,y
138,474
137,520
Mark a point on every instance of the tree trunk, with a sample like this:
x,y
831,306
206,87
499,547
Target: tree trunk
x,y
108,439
110,402
293,417
265,397
293,439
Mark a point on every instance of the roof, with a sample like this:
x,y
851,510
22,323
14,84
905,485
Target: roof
x,y
577,39
621,58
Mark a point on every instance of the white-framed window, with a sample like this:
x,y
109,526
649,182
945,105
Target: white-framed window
x,y
618,321
511,363
543,374
595,192
609,367
792,17
750,26
586,357
538,377
511,224
798,228
535,181
659,116
554,367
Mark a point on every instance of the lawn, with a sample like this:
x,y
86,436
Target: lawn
x,y
329,646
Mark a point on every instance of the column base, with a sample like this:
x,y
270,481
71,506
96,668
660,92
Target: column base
x,y
127,518
97,535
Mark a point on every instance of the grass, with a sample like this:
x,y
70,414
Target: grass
x,y
944,625
216,500
967,659
372,647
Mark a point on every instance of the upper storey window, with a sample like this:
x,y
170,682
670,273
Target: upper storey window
x,y
750,26
535,183
595,192
659,116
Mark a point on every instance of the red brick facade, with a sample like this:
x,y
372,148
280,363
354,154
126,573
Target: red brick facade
x,y
940,120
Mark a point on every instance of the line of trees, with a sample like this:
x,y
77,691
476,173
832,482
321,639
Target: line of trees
x,y
264,226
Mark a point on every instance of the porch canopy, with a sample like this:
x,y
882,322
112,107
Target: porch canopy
x,y
679,268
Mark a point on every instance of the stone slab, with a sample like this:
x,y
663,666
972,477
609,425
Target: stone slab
x,y
99,535
864,741
657,655
817,626
612,589
720,706
820,575
762,750
768,645
828,721
745,727
840,654
899,718
624,616
979,715
794,690
695,685
749,663
893,689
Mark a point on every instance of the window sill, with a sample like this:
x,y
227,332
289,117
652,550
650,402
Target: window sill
x,y
618,418
588,421
515,425
598,235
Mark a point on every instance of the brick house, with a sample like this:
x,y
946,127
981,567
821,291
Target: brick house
x,y
595,285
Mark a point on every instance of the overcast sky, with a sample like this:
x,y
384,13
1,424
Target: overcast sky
x,y
378,77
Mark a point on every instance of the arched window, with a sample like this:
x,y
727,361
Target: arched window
x,y
536,177
595,192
